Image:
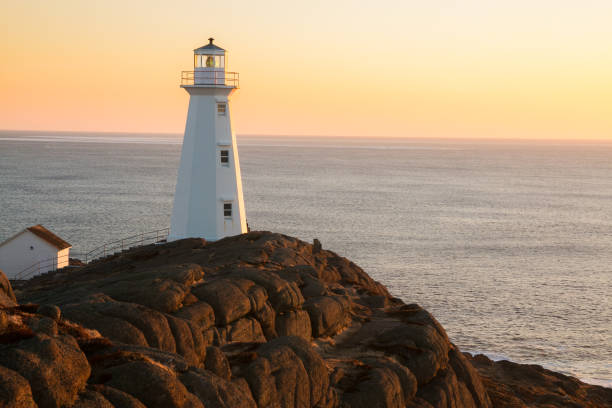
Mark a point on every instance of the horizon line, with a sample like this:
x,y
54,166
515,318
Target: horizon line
x,y
320,136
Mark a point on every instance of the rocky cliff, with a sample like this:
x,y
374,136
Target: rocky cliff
x,y
257,320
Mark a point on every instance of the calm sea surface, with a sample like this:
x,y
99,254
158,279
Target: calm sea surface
x,y
508,244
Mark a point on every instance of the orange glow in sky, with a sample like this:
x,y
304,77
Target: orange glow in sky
x,y
474,68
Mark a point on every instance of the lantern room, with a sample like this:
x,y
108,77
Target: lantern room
x,y
209,64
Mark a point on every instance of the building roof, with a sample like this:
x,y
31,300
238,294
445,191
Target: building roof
x,y
209,48
44,234
48,236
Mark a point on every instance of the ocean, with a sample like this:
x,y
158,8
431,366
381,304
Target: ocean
x,y
507,243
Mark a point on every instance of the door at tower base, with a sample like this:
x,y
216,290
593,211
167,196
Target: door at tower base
x,y
208,202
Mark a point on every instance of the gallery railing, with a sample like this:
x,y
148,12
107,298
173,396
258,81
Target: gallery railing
x,y
207,78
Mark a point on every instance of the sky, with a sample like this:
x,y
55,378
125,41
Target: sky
x,y
473,68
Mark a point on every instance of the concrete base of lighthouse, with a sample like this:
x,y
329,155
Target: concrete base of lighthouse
x,y
208,202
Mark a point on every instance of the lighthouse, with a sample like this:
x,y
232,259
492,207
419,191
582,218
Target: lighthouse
x,y
208,201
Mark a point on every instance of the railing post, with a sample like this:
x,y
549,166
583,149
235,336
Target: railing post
x,y
105,250
122,245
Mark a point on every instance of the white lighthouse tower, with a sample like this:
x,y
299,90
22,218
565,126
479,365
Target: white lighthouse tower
x,y
208,201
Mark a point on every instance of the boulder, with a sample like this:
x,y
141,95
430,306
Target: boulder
x,y
266,317
378,387
217,363
215,391
199,313
16,391
4,321
189,343
7,297
283,295
51,311
55,367
116,329
286,372
312,362
420,348
118,398
290,377
45,325
294,323
125,322
163,295
92,399
262,383
228,301
243,330
154,385
328,314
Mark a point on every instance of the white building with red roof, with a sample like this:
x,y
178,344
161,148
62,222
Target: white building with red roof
x,y
34,250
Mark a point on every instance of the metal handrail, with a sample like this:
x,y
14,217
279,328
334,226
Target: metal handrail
x,y
107,249
207,78
126,243
44,265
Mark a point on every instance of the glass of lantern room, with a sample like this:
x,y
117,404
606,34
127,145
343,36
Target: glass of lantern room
x,y
209,61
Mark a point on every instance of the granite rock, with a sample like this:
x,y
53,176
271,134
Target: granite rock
x,y
256,320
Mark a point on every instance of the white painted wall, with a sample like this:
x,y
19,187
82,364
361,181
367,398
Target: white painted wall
x,y
209,76
63,258
203,184
16,255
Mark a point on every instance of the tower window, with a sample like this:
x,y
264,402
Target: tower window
x,y
227,210
224,158
221,109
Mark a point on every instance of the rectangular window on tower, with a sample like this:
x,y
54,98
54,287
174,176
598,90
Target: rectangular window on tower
x,y
221,109
227,210
224,158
